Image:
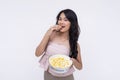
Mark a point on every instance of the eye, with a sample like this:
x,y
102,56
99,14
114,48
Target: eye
x,y
59,19
65,19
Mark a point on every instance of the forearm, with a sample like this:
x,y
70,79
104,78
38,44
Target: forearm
x,y
77,64
41,47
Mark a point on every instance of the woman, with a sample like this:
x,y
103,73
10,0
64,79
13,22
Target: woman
x,y
61,39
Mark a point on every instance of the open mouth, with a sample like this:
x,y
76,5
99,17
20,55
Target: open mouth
x,y
63,26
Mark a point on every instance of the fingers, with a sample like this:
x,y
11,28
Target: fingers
x,y
59,28
56,28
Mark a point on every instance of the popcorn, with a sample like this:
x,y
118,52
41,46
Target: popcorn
x,y
60,61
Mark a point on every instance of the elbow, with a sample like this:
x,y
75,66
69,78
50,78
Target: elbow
x,y
37,54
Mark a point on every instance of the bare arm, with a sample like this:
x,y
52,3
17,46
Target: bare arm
x,y
78,62
43,44
41,47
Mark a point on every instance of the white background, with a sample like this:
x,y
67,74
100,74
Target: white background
x,y
23,23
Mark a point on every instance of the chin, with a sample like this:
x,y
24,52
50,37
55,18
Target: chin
x,y
62,31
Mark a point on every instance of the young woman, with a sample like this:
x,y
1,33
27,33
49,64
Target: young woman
x,y
61,38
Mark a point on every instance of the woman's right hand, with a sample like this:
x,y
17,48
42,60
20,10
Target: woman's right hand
x,y
54,28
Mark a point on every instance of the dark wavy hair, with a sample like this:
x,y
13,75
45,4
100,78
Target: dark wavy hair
x,y
74,30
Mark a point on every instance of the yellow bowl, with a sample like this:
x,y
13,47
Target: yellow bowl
x,y
60,63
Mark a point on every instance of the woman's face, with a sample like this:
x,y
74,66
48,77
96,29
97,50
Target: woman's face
x,y
64,23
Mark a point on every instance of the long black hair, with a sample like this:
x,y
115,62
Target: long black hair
x,y
74,30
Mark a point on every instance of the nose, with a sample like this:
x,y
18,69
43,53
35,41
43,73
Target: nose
x,y
62,22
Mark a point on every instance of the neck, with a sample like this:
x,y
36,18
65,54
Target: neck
x,y
64,36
